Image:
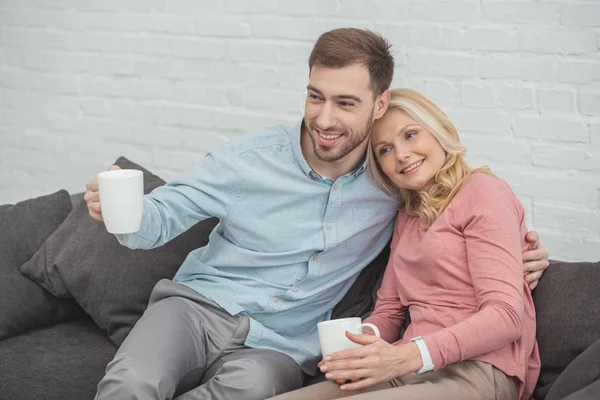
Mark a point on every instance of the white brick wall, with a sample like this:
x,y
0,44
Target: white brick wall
x,y
165,81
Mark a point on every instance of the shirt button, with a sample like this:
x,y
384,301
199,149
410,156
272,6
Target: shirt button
x,y
328,227
315,258
275,300
336,187
296,290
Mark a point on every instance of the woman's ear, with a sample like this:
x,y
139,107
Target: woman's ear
x,y
381,104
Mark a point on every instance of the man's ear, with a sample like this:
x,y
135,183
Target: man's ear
x,y
381,104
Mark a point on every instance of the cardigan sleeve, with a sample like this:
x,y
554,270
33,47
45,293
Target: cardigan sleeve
x,y
389,314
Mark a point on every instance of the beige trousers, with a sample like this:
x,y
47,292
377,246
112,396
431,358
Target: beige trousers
x,y
474,380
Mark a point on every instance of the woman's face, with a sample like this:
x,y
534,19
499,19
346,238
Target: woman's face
x,y
407,153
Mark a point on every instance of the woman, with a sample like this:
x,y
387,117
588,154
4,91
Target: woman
x,y
455,263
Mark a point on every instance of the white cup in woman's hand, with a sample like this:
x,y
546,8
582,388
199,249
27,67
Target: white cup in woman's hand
x,y
332,334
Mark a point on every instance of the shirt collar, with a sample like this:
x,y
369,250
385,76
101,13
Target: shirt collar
x,y
295,136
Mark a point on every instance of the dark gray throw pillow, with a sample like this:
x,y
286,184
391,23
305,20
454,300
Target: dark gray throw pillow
x,y
568,317
23,229
581,379
110,282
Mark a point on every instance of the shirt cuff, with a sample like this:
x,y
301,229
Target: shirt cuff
x,y
425,356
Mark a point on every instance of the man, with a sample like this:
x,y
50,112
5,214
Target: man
x,y
299,220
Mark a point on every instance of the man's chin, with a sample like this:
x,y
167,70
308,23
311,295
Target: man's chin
x,y
329,156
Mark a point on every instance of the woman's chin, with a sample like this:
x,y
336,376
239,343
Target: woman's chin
x,y
415,185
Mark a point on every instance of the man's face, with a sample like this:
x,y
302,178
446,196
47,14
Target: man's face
x,y
339,110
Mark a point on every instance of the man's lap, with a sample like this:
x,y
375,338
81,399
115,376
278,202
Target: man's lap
x,y
185,343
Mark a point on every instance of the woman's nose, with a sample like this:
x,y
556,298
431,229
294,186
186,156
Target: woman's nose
x,y
402,154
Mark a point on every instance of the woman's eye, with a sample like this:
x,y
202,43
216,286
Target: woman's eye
x,y
411,134
383,151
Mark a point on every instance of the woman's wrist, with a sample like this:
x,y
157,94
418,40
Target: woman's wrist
x,y
410,358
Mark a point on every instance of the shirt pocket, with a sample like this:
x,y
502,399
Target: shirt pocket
x,y
367,224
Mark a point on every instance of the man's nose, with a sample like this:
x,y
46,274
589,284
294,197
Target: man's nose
x,y
326,118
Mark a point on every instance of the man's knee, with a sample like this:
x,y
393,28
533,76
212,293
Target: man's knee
x,y
126,379
264,373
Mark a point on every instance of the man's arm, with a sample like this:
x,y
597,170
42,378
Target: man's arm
x,y
209,189
535,261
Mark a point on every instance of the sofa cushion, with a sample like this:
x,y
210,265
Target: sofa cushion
x,y
24,227
61,362
581,377
568,317
110,282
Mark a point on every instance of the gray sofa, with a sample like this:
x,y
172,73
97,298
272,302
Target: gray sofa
x,y
69,295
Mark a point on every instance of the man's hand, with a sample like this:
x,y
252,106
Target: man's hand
x,y
92,197
535,261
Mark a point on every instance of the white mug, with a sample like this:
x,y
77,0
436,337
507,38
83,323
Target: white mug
x,y
121,199
332,334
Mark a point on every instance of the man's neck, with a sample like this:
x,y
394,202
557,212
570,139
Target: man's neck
x,y
332,170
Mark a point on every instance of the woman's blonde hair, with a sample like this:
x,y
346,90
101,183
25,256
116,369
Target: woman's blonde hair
x,y
430,202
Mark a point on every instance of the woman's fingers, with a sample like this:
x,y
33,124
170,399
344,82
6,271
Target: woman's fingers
x,y
347,375
361,384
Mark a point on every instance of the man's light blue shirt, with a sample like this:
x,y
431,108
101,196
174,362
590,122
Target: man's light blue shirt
x,y
289,244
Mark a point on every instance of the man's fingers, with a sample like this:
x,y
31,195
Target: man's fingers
x,y
533,238
95,207
533,255
92,186
533,285
535,266
533,276
96,216
91,197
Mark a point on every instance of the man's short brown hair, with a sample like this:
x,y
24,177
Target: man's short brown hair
x,y
344,47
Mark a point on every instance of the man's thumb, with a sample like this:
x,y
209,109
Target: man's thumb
x,y
114,167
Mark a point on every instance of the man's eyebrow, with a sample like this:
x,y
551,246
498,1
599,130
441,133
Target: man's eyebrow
x,y
314,89
348,97
338,97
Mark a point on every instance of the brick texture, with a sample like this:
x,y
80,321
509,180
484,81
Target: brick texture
x,y
165,81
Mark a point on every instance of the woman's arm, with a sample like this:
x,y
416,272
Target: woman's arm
x,y
491,219
389,314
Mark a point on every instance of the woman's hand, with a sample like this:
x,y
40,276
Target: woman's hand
x,y
338,381
377,361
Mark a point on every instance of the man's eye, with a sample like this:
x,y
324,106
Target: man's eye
x,y
313,96
346,104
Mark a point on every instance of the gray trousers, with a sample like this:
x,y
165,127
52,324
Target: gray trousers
x,y
187,347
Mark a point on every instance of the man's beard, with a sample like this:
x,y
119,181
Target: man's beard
x,y
347,147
